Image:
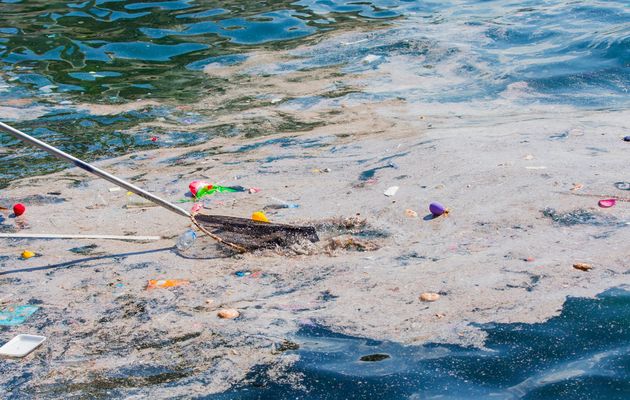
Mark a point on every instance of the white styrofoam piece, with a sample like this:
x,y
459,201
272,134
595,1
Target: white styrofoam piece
x,y
21,345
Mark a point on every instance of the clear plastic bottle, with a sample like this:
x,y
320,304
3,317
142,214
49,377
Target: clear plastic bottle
x,y
186,240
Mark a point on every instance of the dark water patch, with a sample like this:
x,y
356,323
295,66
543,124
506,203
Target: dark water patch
x,y
284,142
40,200
192,157
582,353
412,257
581,217
84,250
374,357
369,173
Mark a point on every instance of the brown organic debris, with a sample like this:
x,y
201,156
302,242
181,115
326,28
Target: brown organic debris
x,y
350,243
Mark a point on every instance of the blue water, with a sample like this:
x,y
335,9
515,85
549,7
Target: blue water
x,y
57,54
584,353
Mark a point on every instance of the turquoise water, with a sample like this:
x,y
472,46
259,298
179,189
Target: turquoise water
x,y
58,54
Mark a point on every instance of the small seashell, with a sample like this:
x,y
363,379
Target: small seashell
x,y
583,266
429,296
607,203
391,191
576,187
228,313
437,209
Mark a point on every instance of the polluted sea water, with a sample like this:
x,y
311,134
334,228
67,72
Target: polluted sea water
x,y
512,117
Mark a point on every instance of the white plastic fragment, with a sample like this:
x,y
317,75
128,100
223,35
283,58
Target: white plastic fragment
x,y
391,191
21,345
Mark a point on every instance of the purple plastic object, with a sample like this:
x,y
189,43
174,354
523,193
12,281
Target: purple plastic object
x,y
627,138
437,209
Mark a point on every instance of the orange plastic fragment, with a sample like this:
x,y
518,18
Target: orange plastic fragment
x,y
166,283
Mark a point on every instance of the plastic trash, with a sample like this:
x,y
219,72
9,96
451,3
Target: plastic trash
x,y
583,266
16,315
437,209
391,191
21,345
228,313
260,216
607,203
26,254
19,209
166,283
186,240
200,189
626,139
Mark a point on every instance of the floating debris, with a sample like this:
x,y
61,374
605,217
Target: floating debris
x,y
19,209
26,254
411,213
228,313
437,209
21,345
622,185
16,315
583,266
350,243
607,203
391,191
429,297
260,216
166,283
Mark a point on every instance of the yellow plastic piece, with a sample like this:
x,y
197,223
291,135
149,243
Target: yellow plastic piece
x,y
260,216
26,254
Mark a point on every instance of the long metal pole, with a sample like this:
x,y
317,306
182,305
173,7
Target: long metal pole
x,y
92,169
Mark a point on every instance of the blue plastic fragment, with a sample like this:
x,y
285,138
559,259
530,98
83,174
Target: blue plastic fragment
x,y
16,315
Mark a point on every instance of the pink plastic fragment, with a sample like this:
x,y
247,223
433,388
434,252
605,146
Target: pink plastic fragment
x,y
607,203
195,208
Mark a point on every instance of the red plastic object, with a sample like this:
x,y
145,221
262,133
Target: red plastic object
x,y
19,209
